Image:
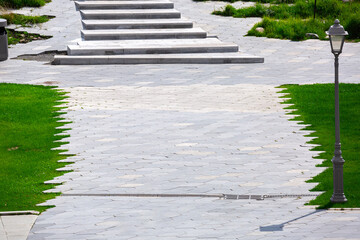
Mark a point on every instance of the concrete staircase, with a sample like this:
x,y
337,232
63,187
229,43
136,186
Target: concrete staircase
x,y
142,32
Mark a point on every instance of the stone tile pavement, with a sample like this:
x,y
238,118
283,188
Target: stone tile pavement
x,y
186,129
16,227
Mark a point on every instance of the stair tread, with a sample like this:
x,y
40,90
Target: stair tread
x,y
169,46
179,48
127,11
138,21
182,55
184,58
150,42
98,5
142,31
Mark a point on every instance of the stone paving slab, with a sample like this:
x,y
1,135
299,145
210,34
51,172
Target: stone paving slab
x,y
16,227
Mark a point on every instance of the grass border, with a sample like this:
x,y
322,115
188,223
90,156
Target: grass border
x,y
19,149
319,117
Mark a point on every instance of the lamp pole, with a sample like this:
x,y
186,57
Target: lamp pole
x,y
338,161
337,37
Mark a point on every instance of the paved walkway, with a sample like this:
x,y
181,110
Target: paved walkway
x,y
15,227
187,133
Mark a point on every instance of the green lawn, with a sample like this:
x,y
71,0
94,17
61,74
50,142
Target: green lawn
x,y
315,105
27,128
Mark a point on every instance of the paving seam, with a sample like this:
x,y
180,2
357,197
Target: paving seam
x,y
222,196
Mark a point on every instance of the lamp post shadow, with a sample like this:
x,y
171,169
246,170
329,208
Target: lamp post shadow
x,y
280,227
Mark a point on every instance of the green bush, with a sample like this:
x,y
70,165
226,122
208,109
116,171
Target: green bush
x,y
256,11
353,27
329,8
303,9
228,11
293,29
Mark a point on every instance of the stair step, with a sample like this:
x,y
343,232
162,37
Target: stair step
x,y
124,5
118,34
137,24
193,58
146,49
130,14
152,42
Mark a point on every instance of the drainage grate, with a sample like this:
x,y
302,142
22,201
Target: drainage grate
x,y
243,197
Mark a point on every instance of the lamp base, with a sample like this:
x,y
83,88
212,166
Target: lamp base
x,y
338,198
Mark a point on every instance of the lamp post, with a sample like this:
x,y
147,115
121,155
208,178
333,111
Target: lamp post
x,y
337,37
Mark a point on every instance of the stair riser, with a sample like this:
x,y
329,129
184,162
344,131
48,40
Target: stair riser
x,y
94,61
124,6
143,36
220,49
137,26
131,16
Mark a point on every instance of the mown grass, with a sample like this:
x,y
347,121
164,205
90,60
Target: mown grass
x,y
25,21
287,21
27,126
15,37
22,3
315,105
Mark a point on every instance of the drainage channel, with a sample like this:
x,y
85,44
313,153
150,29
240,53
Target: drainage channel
x,y
220,196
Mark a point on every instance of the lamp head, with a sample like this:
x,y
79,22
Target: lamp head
x,y
337,35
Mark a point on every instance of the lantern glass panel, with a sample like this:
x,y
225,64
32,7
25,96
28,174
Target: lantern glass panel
x,y
336,42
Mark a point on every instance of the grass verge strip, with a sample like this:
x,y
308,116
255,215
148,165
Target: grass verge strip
x,y
28,122
315,105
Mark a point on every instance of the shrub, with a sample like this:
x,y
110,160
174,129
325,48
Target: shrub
x,y
293,29
229,10
353,27
329,8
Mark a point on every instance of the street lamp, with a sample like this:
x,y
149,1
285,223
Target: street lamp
x,y
337,37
